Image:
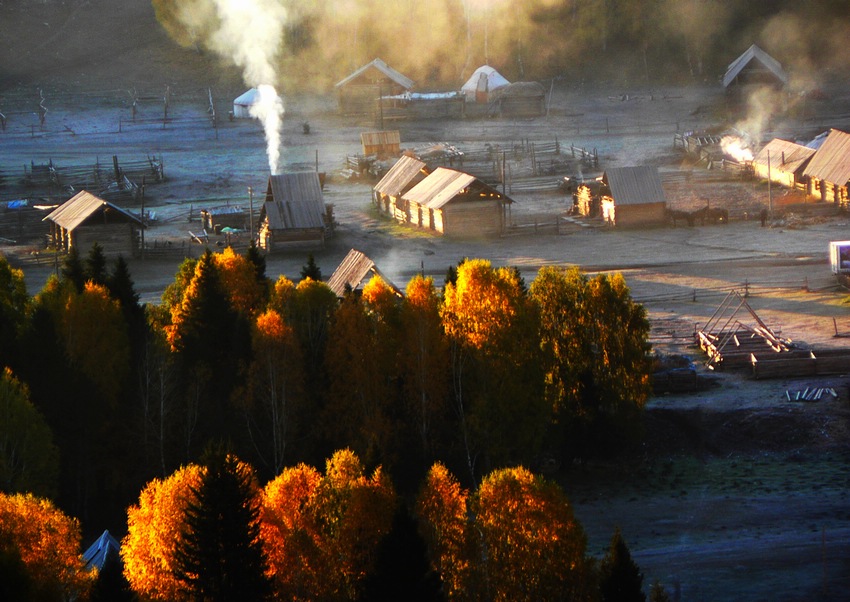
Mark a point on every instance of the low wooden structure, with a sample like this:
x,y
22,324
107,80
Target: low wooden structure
x,y
806,362
381,144
85,219
387,194
782,162
361,92
520,99
458,204
753,68
632,196
294,214
354,272
828,171
216,218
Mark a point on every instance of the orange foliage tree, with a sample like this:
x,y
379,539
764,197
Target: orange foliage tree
x,y
515,538
48,544
153,529
322,531
239,279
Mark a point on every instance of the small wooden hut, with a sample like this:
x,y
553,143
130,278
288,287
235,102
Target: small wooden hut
x,y
381,144
782,162
457,204
216,218
360,92
828,172
754,67
294,213
521,99
406,173
85,219
354,272
632,196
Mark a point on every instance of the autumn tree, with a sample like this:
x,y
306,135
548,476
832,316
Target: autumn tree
x,y
29,461
322,531
620,579
515,538
219,554
495,365
594,340
48,544
275,402
241,282
153,531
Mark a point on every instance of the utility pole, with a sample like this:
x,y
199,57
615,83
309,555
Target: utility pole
x,y
251,213
769,190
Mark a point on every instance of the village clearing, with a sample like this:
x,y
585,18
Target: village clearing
x,y
738,493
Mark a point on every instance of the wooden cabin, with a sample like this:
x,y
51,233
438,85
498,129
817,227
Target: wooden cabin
x,y
632,196
782,162
754,68
521,99
828,172
354,272
381,144
294,213
360,92
387,194
85,219
216,218
457,204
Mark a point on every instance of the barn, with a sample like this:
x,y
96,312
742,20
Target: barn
x,y
828,171
406,173
521,99
354,272
632,196
242,104
85,219
754,71
381,144
782,162
294,213
457,204
359,93
483,82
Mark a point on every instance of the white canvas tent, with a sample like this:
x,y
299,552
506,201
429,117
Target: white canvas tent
x,y
483,82
242,105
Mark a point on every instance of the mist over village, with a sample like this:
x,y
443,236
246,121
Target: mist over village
x,y
437,300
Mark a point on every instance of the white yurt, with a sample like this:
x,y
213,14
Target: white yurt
x,y
243,103
483,82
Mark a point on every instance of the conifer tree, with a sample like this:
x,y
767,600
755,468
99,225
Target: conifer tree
x,y
73,270
94,267
620,579
219,554
311,270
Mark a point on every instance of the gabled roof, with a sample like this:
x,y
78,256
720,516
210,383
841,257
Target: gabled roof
x,y
98,553
247,98
831,162
635,185
403,175
355,270
764,63
294,201
495,80
82,206
444,184
402,80
784,155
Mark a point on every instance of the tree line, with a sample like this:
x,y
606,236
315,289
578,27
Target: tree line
x,y
103,393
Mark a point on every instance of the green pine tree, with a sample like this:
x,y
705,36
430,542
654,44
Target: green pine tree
x,y
94,268
219,554
311,270
620,579
73,270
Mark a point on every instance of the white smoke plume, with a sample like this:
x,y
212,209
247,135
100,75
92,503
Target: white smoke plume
x,y
249,33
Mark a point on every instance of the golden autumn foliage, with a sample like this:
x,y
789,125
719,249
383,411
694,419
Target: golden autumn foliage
x,y
48,543
322,531
239,279
515,538
153,528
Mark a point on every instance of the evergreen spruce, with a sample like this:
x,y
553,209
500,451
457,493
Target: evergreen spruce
x,y
620,579
311,270
94,268
219,554
73,271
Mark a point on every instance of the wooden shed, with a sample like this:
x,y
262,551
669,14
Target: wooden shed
x,y
359,93
381,144
354,272
782,162
216,218
387,194
521,99
828,172
85,219
632,196
754,67
457,204
294,213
